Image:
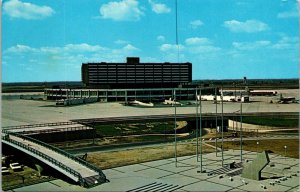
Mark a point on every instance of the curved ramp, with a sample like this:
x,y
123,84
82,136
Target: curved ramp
x,y
87,175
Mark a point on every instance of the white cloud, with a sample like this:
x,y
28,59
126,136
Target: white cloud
x,y
287,42
159,8
52,50
70,54
197,41
161,38
170,47
83,47
198,45
57,60
68,49
204,49
287,14
19,9
250,45
130,47
294,13
284,43
20,49
121,42
196,23
125,10
249,26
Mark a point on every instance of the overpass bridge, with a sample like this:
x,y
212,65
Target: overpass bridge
x,y
78,170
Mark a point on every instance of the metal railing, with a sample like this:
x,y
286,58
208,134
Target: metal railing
x,y
44,156
57,150
39,125
78,128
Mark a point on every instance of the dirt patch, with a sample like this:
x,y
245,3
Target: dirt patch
x,y
181,124
107,160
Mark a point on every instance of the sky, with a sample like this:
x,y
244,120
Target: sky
x,y
224,39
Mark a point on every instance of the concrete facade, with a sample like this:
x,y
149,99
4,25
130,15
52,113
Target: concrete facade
x,y
134,74
106,95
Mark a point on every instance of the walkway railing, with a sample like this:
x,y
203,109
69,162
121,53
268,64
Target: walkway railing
x,y
43,131
44,156
39,125
57,150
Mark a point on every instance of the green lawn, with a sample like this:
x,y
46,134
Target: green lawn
x,y
134,129
272,121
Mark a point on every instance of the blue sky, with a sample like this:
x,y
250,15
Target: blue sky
x,y
224,39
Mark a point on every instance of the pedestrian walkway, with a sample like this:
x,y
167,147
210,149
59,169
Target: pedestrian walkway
x,y
162,174
76,169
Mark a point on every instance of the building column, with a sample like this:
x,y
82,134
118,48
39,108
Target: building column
x,y
106,96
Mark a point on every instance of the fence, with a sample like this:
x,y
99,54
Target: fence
x,y
44,156
39,125
57,150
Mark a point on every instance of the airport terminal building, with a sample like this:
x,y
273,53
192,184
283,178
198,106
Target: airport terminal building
x,y
134,74
131,81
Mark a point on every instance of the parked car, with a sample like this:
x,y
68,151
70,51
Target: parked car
x,y
15,166
5,171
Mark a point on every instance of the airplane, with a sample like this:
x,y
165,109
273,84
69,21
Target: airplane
x,y
139,103
171,102
286,100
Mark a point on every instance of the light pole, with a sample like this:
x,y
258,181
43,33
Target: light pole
x,y
285,151
241,130
257,143
175,142
222,129
197,125
200,133
216,100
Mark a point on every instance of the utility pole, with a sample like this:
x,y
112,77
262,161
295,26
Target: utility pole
x,y
222,120
241,130
216,121
197,150
200,133
176,31
175,129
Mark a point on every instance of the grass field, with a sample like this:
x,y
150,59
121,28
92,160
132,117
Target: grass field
x,y
15,179
275,146
106,160
272,121
136,128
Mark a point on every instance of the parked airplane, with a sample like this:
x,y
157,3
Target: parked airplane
x,y
171,102
286,99
139,103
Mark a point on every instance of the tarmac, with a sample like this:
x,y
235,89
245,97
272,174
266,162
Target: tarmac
x,y
21,112
163,175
